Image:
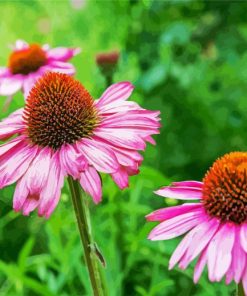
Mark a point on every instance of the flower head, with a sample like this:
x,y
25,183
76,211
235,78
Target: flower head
x,y
28,62
216,226
62,131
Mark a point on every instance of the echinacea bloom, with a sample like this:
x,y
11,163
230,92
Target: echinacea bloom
x,y
28,62
216,225
62,131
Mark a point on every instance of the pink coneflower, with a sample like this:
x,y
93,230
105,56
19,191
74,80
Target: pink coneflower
x,y
28,62
216,226
62,131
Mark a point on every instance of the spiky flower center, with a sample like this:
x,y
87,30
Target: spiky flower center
x,y
27,60
225,188
59,110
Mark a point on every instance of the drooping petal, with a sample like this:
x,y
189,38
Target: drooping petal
x,y
219,252
62,54
98,155
118,91
244,281
13,124
60,67
188,184
238,261
69,160
91,183
203,234
170,212
176,226
17,161
21,44
180,192
10,85
121,178
128,139
50,194
200,265
243,236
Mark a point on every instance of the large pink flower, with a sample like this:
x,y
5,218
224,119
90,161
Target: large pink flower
x,y
62,131
216,226
28,62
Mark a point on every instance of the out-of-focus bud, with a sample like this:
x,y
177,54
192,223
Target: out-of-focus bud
x,y
107,63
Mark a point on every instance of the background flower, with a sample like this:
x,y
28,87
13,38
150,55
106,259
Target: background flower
x,y
28,62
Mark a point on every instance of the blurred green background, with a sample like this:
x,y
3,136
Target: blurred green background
x,y
187,59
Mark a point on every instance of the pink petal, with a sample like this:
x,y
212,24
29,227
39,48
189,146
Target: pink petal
x,y
16,164
29,82
10,85
176,226
62,54
4,71
238,260
60,67
21,44
91,183
200,265
128,139
12,125
116,92
98,155
219,252
188,184
121,178
50,194
243,236
171,212
244,281
203,234
180,192
69,160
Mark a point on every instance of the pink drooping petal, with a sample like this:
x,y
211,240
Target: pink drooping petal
x,y
98,155
238,263
17,161
30,204
170,212
10,85
244,280
69,161
21,44
203,234
200,265
180,192
8,149
128,139
62,54
60,67
176,226
116,92
29,82
243,236
91,183
12,125
121,178
188,184
219,252
50,194
4,72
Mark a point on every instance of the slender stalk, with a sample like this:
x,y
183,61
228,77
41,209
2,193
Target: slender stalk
x,y
84,225
240,290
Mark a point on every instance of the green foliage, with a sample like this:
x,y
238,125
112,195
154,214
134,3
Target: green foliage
x,y
186,59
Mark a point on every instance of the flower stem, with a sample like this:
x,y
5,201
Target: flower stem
x,y
83,219
240,290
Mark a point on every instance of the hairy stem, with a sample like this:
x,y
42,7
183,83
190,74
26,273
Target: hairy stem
x,y
83,219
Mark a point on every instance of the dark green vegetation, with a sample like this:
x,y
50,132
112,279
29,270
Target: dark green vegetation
x,y
187,59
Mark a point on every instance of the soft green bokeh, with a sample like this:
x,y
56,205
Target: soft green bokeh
x,y
187,59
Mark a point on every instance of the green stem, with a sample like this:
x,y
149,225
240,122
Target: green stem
x,y
240,290
83,220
